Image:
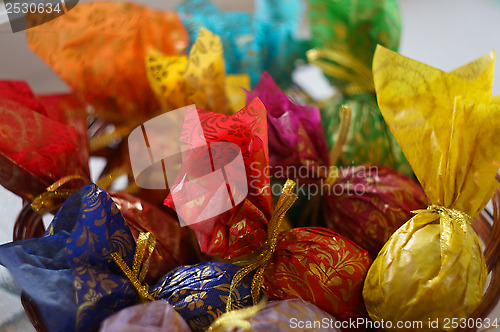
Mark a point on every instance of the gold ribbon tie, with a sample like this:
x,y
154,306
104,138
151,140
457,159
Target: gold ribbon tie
x,y
136,275
259,263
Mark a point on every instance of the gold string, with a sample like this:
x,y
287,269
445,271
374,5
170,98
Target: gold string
x,y
136,275
106,180
236,318
44,202
342,65
345,124
101,141
260,262
447,216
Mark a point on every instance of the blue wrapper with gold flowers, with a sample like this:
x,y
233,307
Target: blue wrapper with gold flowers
x,y
199,292
69,273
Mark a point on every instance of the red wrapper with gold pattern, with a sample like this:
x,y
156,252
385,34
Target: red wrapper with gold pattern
x,y
320,267
99,49
35,148
242,229
368,203
174,244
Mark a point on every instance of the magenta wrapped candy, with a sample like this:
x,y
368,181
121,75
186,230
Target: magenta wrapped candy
x,y
156,316
297,146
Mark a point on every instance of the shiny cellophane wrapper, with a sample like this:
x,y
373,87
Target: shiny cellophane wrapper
x,y
281,316
99,48
174,244
253,42
321,267
38,144
243,229
296,138
69,272
351,30
368,203
151,316
199,292
447,125
200,78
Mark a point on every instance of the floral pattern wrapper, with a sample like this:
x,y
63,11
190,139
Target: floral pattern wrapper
x,y
242,229
296,138
199,292
35,148
286,315
98,49
174,244
321,267
69,273
346,34
255,42
368,203
152,316
433,266
198,79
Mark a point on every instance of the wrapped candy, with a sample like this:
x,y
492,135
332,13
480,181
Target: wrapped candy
x,y
279,316
199,79
346,34
265,40
70,273
296,138
38,145
152,316
199,292
320,267
98,49
433,267
367,204
249,235
241,229
174,244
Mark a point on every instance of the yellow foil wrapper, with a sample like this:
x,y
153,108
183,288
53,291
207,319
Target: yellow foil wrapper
x,y
432,268
199,79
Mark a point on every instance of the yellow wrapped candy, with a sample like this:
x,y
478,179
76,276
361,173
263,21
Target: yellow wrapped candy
x,y
432,269
199,79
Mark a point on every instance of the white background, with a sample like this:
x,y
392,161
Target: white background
x,y
442,33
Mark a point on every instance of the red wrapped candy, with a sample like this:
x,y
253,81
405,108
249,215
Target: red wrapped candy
x,y
174,244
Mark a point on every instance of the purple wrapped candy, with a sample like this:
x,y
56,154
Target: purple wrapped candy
x,y
153,316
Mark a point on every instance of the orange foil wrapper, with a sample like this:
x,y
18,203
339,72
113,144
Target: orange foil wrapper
x,y
321,267
175,245
36,149
99,48
367,204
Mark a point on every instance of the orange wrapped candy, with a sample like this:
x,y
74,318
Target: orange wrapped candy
x,y
99,49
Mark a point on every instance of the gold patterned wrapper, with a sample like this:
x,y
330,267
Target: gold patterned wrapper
x,y
447,124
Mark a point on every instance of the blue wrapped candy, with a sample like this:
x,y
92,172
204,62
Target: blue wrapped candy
x,y
199,292
69,272
253,43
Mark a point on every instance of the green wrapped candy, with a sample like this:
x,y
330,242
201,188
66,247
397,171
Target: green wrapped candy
x,y
345,34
